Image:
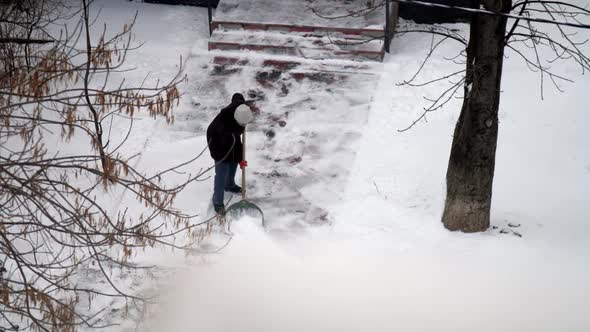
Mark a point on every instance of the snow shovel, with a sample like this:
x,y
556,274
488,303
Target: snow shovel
x,y
244,207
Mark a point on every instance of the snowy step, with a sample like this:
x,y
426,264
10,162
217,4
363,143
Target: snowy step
x,y
237,59
375,32
310,45
333,15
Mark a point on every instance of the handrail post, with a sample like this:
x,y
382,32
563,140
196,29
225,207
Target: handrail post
x,y
209,12
387,27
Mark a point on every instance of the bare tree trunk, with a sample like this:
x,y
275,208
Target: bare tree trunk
x,y
473,153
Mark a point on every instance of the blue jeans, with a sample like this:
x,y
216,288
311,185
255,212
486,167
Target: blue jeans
x,y
225,172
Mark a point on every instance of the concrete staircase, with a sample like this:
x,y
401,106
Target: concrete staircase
x,y
300,28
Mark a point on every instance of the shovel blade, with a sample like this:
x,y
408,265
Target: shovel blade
x,y
244,208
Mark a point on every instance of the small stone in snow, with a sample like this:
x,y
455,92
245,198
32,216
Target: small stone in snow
x,y
285,90
270,134
295,160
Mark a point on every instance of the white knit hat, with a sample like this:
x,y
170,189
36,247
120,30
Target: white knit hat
x,y
243,115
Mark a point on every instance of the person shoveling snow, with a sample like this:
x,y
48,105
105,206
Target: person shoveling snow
x,y
225,146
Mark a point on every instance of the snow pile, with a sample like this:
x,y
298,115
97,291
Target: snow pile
x,y
330,282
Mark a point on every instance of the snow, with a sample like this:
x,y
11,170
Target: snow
x,y
263,38
331,13
378,259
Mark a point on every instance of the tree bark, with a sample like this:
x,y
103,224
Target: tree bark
x,y
470,172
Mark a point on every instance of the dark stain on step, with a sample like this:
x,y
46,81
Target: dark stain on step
x,y
221,70
266,78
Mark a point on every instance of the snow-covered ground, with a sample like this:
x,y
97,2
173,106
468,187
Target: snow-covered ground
x,y
356,242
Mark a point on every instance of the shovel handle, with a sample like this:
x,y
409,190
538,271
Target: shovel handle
x,y
244,168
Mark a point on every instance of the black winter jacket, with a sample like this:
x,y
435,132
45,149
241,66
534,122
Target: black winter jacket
x,y
223,135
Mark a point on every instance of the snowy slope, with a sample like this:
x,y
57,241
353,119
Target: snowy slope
x,y
382,261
